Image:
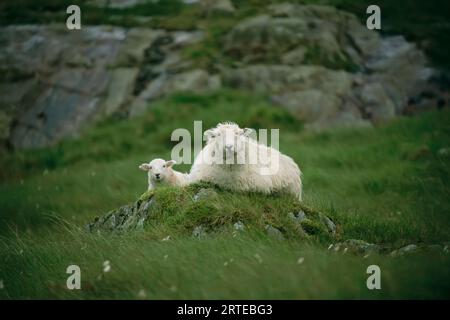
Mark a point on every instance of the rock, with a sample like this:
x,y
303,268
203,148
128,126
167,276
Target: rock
x,y
199,232
328,222
116,4
317,29
298,217
126,218
119,89
355,246
60,91
276,49
204,194
274,232
319,96
196,81
405,250
239,226
209,7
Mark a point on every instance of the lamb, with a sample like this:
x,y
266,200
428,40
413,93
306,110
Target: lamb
x,y
228,160
160,172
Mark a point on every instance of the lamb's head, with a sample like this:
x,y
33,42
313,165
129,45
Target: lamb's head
x,y
158,169
228,140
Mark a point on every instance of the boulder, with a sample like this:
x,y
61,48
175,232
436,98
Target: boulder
x,y
303,33
199,210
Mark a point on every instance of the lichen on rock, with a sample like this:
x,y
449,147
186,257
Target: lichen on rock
x,y
201,209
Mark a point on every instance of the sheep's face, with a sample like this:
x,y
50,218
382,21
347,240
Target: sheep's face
x,y
228,140
158,169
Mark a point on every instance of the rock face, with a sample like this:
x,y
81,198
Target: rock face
x,y
296,34
324,65
64,80
320,63
126,218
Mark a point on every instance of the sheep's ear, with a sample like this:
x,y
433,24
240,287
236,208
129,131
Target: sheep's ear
x,y
248,132
144,167
209,134
170,163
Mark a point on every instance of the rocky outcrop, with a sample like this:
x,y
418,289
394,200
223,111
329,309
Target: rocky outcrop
x,y
64,80
192,201
297,34
325,66
318,62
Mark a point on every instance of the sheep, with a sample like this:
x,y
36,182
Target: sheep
x,y
228,160
160,172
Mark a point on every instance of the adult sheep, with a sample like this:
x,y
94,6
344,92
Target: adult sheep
x,y
233,160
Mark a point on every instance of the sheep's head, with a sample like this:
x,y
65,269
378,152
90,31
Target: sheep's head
x,y
158,169
228,139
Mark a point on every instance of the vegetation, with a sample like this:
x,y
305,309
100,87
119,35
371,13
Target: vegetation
x,y
386,185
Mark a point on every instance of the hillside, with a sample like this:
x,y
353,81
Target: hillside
x,y
385,185
364,113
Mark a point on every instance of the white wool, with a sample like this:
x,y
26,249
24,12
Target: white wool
x,y
228,141
160,173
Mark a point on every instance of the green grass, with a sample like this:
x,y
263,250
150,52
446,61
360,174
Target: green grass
x,y
386,185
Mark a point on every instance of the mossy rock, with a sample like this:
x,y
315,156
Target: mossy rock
x,y
179,211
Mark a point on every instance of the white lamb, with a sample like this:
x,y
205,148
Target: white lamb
x,y
234,160
160,172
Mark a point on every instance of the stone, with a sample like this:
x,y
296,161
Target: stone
x,y
411,248
120,88
204,194
313,28
274,232
239,226
126,218
209,7
356,246
331,226
199,232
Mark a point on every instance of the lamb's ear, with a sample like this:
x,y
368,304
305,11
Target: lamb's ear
x,y
170,163
248,132
144,167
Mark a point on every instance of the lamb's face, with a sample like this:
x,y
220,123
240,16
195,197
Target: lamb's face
x,y
158,169
228,140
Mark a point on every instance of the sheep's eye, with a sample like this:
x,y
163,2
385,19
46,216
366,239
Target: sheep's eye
x,y
164,165
150,168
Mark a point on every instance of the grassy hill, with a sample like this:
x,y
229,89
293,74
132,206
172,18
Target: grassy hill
x,y
385,185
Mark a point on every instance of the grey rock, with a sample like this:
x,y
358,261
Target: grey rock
x,y
60,91
288,27
411,248
298,217
331,226
216,6
239,226
199,232
355,246
274,232
126,218
204,194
